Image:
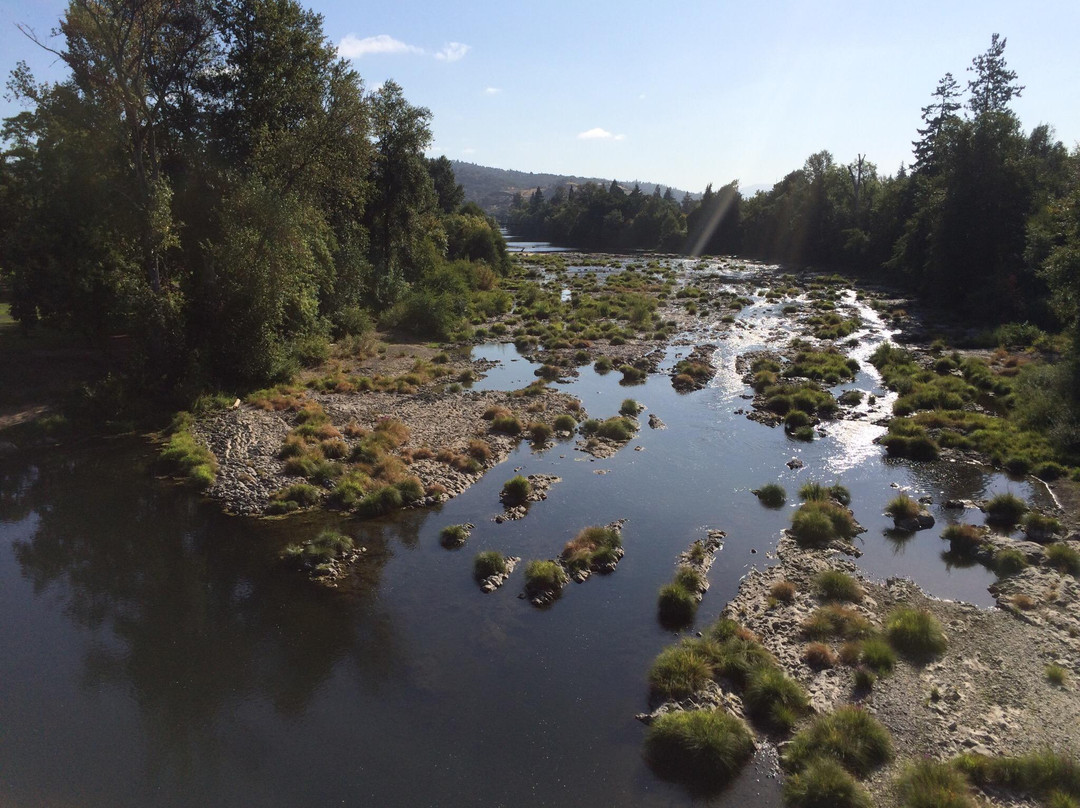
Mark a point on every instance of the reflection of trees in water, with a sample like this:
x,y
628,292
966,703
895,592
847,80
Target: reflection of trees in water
x,y
202,621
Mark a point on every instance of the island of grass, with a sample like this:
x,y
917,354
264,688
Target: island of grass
x,y
325,558
594,549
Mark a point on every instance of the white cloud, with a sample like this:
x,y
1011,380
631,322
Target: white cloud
x,y
468,151
452,51
492,91
353,47
599,134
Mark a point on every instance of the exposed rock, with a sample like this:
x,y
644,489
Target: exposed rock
x,y
493,582
923,520
655,422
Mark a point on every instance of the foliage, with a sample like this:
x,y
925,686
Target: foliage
x,y
771,495
1064,558
915,632
902,507
488,563
835,585
184,456
1005,509
703,749
850,736
824,783
516,490
930,784
544,576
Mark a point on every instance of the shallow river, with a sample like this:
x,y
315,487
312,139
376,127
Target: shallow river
x,y
155,655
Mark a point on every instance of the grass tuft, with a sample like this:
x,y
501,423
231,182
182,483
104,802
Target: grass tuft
x,y
703,749
838,586
850,736
930,784
1005,510
915,633
488,563
516,490
824,783
771,495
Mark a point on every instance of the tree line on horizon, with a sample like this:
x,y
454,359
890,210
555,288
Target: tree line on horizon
x,y
213,182
985,219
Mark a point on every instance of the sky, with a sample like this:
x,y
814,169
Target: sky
x,y
680,94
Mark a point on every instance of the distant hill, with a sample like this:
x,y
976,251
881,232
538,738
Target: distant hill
x,y
493,189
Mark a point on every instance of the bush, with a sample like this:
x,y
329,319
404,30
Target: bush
x,y
380,501
915,632
508,424
878,655
676,605
771,495
824,783
850,736
774,698
617,428
679,671
544,576
836,585
1055,674
328,546
703,749
454,536
1038,773
539,432
516,490
1009,561
835,621
565,423
902,507
629,407
589,546
963,539
930,784
488,563
1039,526
1064,559
812,527
300,495
1005,510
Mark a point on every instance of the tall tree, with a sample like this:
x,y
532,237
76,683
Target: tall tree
x,y
993,85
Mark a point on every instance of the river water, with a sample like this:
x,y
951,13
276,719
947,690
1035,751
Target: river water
x,y
154,653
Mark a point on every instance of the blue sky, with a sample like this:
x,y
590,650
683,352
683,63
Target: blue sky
x,y
682,94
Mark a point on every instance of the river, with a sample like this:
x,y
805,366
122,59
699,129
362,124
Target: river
x,y
155,654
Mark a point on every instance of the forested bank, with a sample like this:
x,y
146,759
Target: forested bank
x,y
985,217
216,189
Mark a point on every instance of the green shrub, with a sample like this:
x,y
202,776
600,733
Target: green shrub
x,y
629,407
816,492
902,507
488,563
771,495
539,432
411,489
1039,525
930,784
544,576
380,501
617,428
516,490
454,536
963,539
738,657
832,620
565,423
836,585
301,494
703,749
1064,559
1038,774
915,632
631,374
850,736
676,605
328,546
774,698
1005,510
1009,561
824,783
1055,674
508,424
878,655
591,545
817,522
679,671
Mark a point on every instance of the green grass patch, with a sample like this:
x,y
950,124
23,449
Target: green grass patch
x,y
1064,559
915,633
702,749
771,495
488,563
516,490
850,736
902,507
963,540
833,621
774,698
1005,510
1039,774
1009,561
824,783
544,576
818,522
316,554
931,784
592,545
184,456
837,586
